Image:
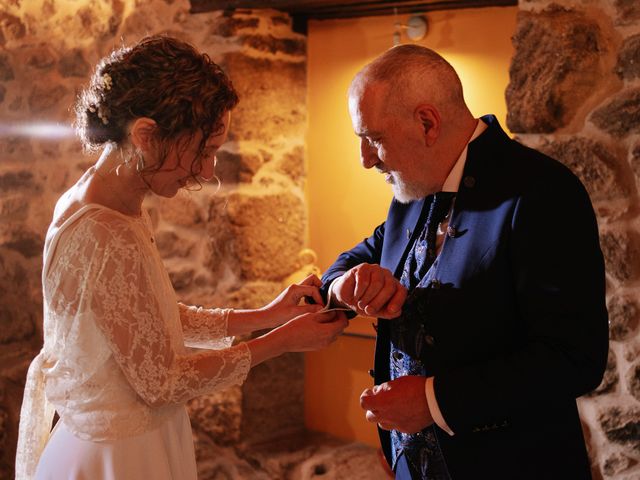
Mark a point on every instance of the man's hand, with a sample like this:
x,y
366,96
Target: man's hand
x,y
370,290
399,404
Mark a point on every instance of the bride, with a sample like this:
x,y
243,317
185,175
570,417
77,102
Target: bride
x,y
114,365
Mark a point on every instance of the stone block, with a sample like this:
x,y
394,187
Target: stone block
x,y
14,208
617,463
621,425
273,98
631,350
628,12
18,180
11,27
633,380
273,399
18,312
181,278
4,426
29,244
622,254
281,20
293,166
73,64
220,239
16,322
354,462
555,68
253,294
6,69
216,462
6,465
620,116
623,317
273,45
628,65
268,234
229,26
16,104
234,168
313,455
99,20
41,57
597,167
45,97
634,161
180,210
171,245
218,415
16,148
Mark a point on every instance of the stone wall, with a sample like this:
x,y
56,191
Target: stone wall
x,y
574,93
235,246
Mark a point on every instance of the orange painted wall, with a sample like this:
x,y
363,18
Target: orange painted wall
x,y
345,201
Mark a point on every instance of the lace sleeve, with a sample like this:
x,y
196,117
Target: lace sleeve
x,y
205,328
124,289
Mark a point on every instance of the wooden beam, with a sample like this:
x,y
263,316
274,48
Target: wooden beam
x,y
325,9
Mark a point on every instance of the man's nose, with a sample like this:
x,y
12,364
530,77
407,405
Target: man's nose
x,y
368,154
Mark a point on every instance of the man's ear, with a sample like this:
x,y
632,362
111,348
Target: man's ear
x,y
429,118
143,133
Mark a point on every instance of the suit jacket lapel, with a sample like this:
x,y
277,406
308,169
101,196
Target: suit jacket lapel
x,y
401,229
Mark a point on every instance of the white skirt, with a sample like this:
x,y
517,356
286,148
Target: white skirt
x,y
166,453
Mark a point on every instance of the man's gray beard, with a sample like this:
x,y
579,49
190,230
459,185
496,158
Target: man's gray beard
x,y
405,193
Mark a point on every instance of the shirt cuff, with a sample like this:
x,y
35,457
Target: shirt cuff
x,y
433,406
330,293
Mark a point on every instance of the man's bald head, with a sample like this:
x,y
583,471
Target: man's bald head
x,y
413,75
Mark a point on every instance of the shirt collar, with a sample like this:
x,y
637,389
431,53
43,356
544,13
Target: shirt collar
x,y
452,183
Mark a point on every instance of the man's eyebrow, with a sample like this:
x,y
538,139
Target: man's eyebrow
x,y
368,133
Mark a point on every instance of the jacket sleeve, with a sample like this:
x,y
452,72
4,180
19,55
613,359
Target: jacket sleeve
x,y
368,250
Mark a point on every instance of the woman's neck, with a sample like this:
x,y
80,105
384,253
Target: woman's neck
x,y
117,184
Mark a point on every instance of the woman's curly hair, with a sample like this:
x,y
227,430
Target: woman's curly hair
x,y
161,78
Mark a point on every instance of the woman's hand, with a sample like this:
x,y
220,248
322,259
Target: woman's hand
x,y
287,305
311,331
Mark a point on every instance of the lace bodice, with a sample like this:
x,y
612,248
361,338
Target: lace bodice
x,y
114,361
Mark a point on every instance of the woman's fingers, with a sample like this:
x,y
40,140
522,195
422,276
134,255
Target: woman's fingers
x,y
297,292
311,280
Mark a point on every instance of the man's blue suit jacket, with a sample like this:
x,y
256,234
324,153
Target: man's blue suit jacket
x,y
517,312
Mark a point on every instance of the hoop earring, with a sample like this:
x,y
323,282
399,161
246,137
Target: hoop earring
x,y
140,161
218,183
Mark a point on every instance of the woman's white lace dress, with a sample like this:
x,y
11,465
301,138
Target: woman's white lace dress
x,y
114,363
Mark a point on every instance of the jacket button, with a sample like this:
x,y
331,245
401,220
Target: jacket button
x,y
408,234
469,181
397,355
429,340
372,373
452,231
436,284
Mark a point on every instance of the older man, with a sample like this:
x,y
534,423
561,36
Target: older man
x,y
487,279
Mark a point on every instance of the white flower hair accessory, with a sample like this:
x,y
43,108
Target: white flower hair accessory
x,y
107,81
103,113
